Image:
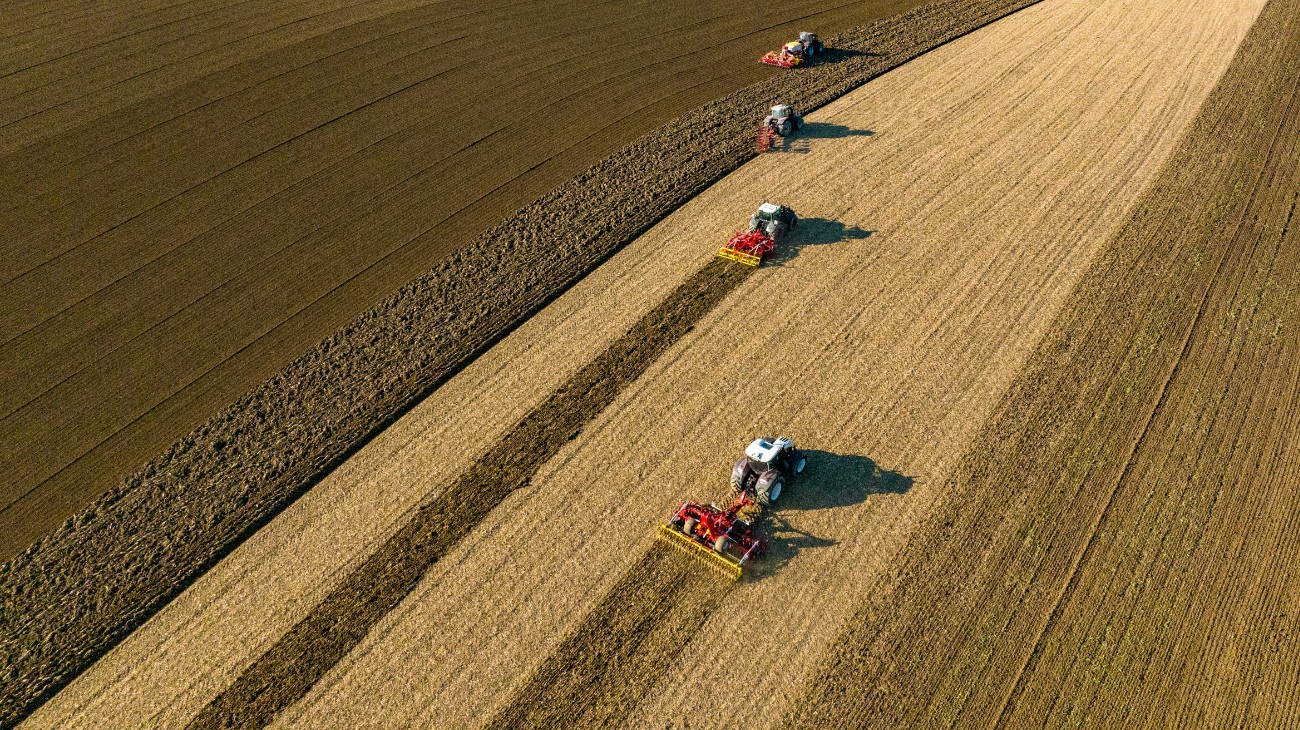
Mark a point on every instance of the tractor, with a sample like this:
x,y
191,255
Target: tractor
x,y
767,228
724,538
765,468
783,121
795,53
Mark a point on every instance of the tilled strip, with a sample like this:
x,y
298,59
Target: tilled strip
x,y
285,673
77,592
1026,498
622,648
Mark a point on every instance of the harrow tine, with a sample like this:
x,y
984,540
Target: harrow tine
x,y
710,559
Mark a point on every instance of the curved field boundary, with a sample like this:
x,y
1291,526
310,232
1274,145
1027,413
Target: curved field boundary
x,y
250,190
80,590
1089,475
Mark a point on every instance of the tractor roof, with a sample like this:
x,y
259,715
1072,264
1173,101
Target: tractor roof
x,y
769,208
762,450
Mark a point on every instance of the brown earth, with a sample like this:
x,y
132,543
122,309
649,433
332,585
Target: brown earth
x,y
623,646
202,192
1118,546
82,589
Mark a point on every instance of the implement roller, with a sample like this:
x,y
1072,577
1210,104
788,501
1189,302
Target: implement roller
x,y
718,537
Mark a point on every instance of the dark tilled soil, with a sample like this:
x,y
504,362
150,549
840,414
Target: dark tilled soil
x,y
1077,565
197,197
600,672
76,592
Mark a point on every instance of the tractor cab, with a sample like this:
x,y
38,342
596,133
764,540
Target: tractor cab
x,y
781,112
762,453
779,213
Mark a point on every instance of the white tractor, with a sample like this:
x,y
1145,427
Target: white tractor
x,y
767,465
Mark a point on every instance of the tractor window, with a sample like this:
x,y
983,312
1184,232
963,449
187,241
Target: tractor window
x,y
758,466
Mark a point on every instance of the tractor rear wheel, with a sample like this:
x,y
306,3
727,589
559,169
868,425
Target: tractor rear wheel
x,y
786,128
772,493
737,483
688,527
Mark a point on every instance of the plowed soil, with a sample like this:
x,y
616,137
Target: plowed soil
x,y
198,193
950,207
78,591
1133,506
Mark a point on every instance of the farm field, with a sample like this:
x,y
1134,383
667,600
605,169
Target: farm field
x,y
950,208
243,179
1133,503
79,590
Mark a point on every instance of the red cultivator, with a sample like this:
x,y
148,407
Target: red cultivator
x,y
766,138
748,248
783,58
717,536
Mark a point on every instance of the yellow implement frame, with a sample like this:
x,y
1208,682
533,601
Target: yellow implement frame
x,y
734,255
720,563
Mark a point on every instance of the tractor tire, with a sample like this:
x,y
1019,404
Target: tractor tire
x,y
799,463
798,123
773,492
720,545
737,484
688,527
787,128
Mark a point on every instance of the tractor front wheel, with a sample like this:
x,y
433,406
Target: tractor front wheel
x,y
800,463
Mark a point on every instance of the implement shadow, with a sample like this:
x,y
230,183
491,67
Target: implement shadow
x,y
815,232
830,481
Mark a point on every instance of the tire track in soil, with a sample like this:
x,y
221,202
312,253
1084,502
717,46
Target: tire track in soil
x,y
622,648
1044,467
80,590
314,645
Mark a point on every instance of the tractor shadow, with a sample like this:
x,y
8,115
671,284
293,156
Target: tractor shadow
x,y
815,232
830,481
835,55
801,141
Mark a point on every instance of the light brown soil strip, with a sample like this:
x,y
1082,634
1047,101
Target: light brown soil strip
x,y
77,592
596,677
976,591
312,647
